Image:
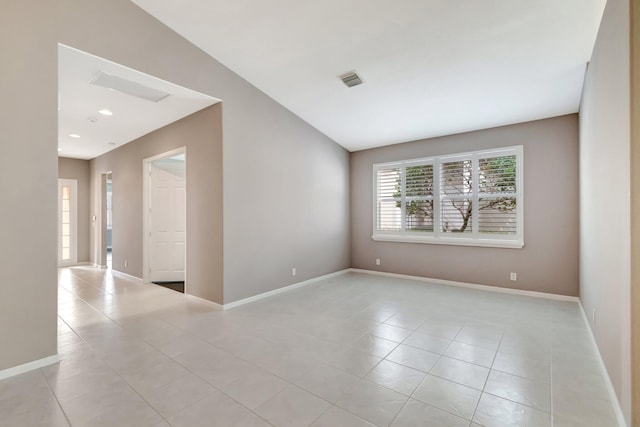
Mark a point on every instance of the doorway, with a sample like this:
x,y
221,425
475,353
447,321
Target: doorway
x,y
164,242
67,222
109,217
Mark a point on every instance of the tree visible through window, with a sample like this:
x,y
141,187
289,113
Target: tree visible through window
x,y
419,197
476,195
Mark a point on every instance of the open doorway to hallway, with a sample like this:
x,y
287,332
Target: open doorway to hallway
x,y
109,221
165,219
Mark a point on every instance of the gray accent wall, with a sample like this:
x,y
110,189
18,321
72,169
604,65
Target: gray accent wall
x,y
78,169
605,218
201,134
286,203
549,260
28,173
285,185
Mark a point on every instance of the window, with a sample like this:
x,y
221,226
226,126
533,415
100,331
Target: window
x,y
67,222
472,199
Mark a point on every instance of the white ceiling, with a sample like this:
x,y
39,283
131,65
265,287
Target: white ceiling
x,y
132,117
430,67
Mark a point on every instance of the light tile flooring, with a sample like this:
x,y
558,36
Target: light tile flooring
x,y
355,350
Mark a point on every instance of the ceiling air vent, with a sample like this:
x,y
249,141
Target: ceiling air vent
x,y
350,79
119,84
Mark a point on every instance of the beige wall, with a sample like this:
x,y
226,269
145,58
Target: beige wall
x,y
28,173
549,260
79,170
297,212
604,196
201,134
286,186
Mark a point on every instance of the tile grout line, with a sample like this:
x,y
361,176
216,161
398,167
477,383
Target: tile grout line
x,y
111,368
55,396
194,334
487,380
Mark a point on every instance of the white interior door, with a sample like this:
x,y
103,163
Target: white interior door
x,y
167,225
67,222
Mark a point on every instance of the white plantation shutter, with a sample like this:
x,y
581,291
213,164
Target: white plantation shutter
x,y
456,199
419,198
467,199
389,213
497,195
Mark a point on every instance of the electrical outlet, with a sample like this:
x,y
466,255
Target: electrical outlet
x,y
377,261
293,271
513,277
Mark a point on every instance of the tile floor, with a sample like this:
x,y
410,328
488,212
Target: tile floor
x,y
355,350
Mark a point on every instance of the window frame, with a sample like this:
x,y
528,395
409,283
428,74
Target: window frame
x,y
471,238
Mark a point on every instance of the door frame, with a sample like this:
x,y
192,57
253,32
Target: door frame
x,y
104,219
73,213
146,211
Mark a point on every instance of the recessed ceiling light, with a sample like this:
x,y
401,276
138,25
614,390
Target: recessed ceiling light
x,y
105,112
74,135
59,149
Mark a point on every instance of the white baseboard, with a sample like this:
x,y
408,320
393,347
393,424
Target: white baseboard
x,y
205,301
471,285
283,289
128,276
266,294
26,367
613,397
380,273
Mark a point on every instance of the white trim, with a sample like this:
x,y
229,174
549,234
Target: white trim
x,y
146,203
206,301
456,241
471,286
470,238
267,294
293,286
30,366
129,276
81,264
283,289
521,292
613,397
170,153
100,221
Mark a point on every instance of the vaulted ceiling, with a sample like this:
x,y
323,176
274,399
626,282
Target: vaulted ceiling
x,y
430,67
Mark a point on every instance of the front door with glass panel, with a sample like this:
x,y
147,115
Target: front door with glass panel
x,y
67,222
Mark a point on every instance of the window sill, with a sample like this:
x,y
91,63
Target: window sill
x,y
487,243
